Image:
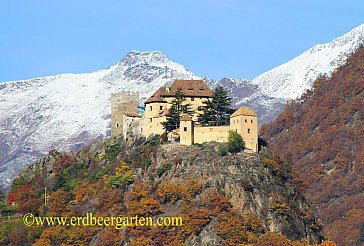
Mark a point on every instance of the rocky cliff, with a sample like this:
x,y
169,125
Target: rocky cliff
x,y
223,200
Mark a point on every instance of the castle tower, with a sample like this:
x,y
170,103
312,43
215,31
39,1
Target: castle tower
x,y
245,122
122,102
186,130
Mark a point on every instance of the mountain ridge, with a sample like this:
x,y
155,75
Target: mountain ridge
x,y
291,79
48,112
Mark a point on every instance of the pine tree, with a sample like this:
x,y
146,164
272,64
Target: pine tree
x,y
217,111
176,110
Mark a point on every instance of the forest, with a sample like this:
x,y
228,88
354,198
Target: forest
x,y
322,136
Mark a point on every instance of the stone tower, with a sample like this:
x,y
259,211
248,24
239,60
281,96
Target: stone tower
x,y
186,130
122,102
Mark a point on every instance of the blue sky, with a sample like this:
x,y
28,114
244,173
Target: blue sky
x,y
214,38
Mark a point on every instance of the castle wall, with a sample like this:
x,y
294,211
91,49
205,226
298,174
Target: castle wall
x,y
246,126
211,133
131,125
122,102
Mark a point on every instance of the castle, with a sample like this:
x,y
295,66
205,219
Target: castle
x,y
127,118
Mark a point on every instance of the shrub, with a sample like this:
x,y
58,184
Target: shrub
x,y
113,152
146,162
154,140
235,142
123,175
161,170
222,150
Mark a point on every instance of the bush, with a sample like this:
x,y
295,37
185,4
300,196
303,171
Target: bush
x,y
113,152
161,170
222,150
154,140
235,142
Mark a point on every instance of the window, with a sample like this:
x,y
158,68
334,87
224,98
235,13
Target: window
x,y
251,121
117,124
236,130
151,108
150,119
185,129
192,99
160,107
246,120
248,130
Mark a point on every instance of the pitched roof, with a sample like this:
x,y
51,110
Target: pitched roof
x,y
186,117
190,88
244,110
155,98
132,114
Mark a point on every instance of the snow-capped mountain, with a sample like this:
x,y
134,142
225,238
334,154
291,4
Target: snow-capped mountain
x,y
69,110
291,79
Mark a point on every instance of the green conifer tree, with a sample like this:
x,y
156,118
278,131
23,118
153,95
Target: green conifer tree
x,y
176,110
217,111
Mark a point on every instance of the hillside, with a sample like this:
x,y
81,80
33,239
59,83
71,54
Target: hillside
x,y
223,200
323,136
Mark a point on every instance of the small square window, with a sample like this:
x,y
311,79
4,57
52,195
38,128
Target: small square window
x,y
246,120
192,99
251,121
160,107
150,119
248,130
185,129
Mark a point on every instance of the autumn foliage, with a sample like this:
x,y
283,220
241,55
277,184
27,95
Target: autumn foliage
x,y
322,135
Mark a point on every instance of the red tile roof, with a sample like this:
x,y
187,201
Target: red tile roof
x,y
190,88
244,110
